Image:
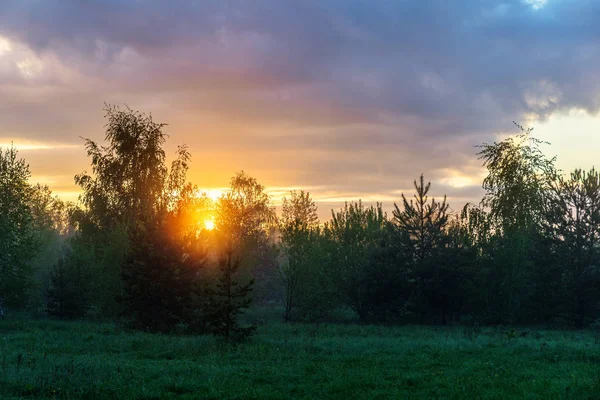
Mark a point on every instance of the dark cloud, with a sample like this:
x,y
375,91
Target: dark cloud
x,y
354,95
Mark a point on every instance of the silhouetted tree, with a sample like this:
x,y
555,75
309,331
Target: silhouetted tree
x,y
128,191
518,181
453,285
387,278
573,224
228,300
425,223
162,281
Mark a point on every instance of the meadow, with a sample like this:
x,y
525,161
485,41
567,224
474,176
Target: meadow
x,y
45,359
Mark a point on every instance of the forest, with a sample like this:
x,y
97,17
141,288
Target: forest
x,y
146,252
147,248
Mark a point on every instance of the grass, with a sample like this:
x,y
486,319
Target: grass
x,y
73,360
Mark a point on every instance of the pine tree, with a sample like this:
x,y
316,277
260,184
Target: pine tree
x,y
425,223
162,281
573,227
227,302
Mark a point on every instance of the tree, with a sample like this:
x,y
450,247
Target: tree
x,y
162,281
129,191
573,224
245,213
17,234
425,224
354,232
517,185
129,174
228,300
52,229
519,177
453,291
245,223
298,228
67,294
387,278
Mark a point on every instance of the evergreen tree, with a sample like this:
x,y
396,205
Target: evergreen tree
x,y
387,278
573,225
454,290
425,223
162,281
228,300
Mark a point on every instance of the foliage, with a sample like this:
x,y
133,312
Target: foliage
x,y
355,232
161,278
68,292
228,300
245,213
52,228
519,177
129,174
129,190
245,223
388,278
17,231
424,222
298,228
425,225
518,182
573,228
137,245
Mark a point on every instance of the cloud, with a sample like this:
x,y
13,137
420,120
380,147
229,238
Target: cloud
x,y
351,96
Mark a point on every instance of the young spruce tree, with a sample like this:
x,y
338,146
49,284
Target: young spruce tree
x,y
425,223
227,302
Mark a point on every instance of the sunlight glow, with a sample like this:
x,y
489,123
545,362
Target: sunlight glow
x,y
209,224
213,194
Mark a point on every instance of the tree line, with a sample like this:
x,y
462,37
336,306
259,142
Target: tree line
x,y
135,248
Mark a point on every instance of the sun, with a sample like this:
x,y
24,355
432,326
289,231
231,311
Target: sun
x,y
209,224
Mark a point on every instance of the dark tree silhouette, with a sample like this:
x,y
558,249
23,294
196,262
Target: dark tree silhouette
x,y
425,224
228,300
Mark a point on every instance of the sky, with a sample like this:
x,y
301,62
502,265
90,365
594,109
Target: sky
x,y
347,99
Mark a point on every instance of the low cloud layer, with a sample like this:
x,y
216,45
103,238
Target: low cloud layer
x,y
354,98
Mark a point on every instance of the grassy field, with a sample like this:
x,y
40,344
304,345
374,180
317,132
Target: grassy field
x,y
50,359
